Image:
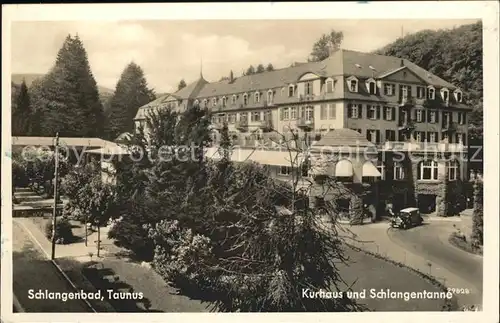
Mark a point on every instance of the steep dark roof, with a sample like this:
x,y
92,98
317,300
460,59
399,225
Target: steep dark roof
x,y
342,62
384,64
192,90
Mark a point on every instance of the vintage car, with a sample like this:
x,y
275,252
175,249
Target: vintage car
x,y
407,218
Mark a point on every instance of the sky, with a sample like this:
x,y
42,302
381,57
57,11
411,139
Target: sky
x,y
171,50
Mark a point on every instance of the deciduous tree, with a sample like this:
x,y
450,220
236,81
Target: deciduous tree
x,y
325,45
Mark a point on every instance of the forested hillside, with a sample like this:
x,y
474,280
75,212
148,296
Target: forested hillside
x,y
455,55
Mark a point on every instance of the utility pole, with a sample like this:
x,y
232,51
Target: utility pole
x,y
56,197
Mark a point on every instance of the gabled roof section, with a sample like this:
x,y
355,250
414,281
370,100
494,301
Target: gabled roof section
x,y
192,90
384,64
390,72
402,68
157,102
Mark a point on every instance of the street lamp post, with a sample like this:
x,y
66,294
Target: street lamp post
x,y
54,211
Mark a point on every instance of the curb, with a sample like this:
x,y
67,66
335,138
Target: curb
x,y
55,265
17,304
448,304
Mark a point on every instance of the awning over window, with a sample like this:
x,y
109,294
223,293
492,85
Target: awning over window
x,y
369,170
343,168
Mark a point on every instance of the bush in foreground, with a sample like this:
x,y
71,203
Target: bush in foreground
x,y
64,232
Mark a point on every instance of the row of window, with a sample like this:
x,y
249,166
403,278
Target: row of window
x,y
374,136
255,116
373,112
294,113
427,170
257,96
287,171
389,89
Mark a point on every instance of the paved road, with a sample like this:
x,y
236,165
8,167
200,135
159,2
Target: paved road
x,y
32,270
430,241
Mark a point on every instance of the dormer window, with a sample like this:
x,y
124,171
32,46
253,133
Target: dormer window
x,y
329,86
214,102
352,82
270,96
233,99
245,99
257,97
196,102
224,101
205,102
431,92
371,86
308,88
291,90
445,94
458,95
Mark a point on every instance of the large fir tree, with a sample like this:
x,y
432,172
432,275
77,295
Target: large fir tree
x,y
67,99
21,112
131,93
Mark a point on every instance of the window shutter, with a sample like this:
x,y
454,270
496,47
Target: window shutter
x,y
349,110
368,135
393,114
424,113
422,136
281,114
360,109
429,116
436,136
378,112
384,113
414,114
409,91
378,136
437,116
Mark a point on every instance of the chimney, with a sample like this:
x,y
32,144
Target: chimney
x,y
402,62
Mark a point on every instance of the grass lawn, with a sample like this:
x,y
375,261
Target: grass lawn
x,y
78,228
367,272
31,270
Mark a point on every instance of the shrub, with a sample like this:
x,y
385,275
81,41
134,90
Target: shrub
x,y
177,250
477,219
459,240
64,232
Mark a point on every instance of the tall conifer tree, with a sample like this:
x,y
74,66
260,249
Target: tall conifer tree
x,y
67,99
131,93
21,112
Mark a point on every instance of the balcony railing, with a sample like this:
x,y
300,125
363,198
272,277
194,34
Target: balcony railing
x,y
307,97
306,124
266,124
216,125
406,101
242,125
421,102
449,126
